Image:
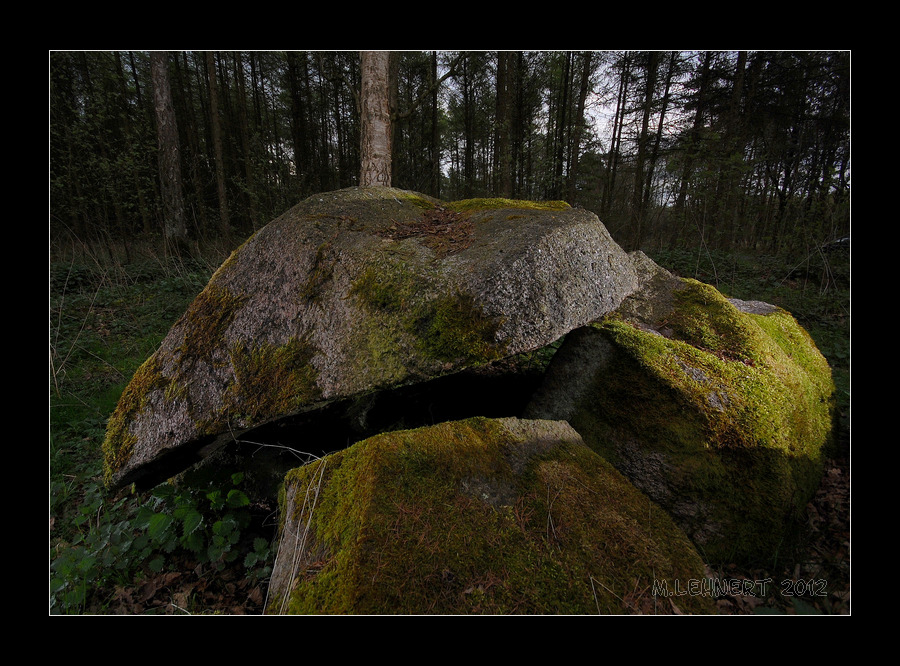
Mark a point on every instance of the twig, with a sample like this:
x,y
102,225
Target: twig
x,y
301,455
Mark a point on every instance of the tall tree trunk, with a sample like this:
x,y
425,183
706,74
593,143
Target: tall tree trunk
x,y
216,127
694,143
131,137
504,124
664,107
638,203
298,81
730,199
435,132
249,173
575,147
194,156
612,161
468,132
375,121
169,160
562,113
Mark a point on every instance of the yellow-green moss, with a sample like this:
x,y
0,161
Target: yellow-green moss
x,y
447,326
739,404
206,320
271,380
468,205
401,525
320,274
119,442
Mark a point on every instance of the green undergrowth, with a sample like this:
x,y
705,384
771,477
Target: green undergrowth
x,y
105,323
121,541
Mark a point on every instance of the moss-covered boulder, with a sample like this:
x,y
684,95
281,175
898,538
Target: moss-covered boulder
x,y
719,410
476,516
355,291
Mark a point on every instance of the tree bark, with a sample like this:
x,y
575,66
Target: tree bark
x,y
504,124
169,159
435,132
616,141
638,203
575,148
375,121
215,125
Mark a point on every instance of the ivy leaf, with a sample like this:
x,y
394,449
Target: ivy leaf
x,y
215,499
194,542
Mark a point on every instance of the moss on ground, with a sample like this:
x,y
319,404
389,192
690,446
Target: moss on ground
x,y
463,518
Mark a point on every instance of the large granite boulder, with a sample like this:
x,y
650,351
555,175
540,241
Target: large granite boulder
x,y
477,516
720,410
356,291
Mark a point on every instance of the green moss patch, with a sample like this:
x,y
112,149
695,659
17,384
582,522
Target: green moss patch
x,y
725,420
206,321
271,380
447,327
320,274
469,205
472,517
119,442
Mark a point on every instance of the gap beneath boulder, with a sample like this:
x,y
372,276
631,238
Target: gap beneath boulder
x,y
266,453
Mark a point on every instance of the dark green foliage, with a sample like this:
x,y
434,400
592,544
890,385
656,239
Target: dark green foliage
x,y
114,543
105,321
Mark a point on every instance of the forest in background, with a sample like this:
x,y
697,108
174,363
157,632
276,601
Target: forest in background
x,y
720,149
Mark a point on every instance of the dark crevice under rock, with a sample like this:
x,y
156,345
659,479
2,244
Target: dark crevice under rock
x,y
266,453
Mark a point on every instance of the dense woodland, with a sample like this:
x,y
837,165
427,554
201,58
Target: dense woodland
x,y
729,150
